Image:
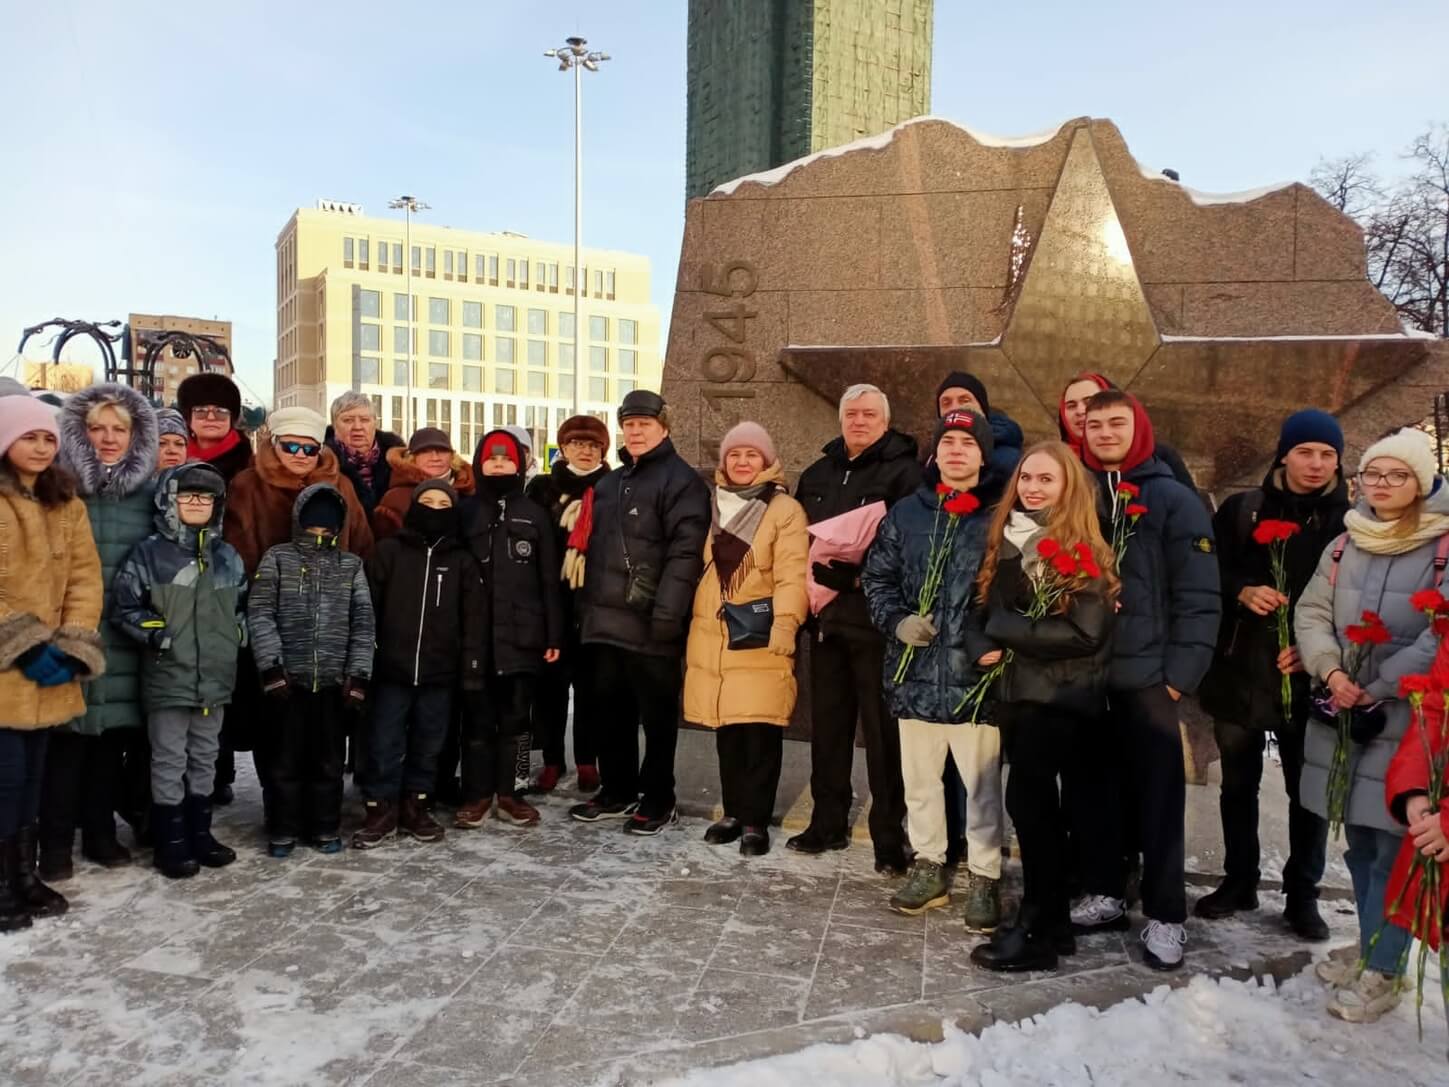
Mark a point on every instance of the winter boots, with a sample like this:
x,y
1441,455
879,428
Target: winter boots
x,y
102,847
755,842
1026,944
728,829
472,813
416,818
514,812
1302,916
1231,896
172,856
983,904
926,889
205,849
812,840
39,899
14,914
379,825
1366,999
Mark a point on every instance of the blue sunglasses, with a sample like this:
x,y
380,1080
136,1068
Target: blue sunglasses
x,y
306,449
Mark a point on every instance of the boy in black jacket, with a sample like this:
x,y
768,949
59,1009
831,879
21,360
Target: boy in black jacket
x,y
512,540
1243,691
1163,643
425,592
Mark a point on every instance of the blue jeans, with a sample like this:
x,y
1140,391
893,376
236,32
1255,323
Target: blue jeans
x,y
22,761
409,725
1370,859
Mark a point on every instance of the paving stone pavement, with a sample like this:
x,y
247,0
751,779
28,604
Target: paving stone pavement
x,y
558,955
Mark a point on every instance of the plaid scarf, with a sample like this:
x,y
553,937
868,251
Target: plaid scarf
x,y
742,509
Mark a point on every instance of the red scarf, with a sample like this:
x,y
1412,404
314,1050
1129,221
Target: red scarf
x,y
579,537
220,449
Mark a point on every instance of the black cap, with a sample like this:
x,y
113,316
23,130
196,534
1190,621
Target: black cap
x,y
641,402
429,437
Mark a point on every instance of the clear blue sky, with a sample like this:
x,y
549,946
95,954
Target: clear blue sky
x,y
153,150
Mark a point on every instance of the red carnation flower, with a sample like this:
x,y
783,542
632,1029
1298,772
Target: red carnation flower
x,y
1429,601
962,504
1048,547
1064,564
943,488
1371,619
1414,685
1086,561
1271,532
1135,510
1131,490
1441,626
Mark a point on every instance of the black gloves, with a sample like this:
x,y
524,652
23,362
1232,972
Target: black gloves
x,y
838,575
274,683
354,694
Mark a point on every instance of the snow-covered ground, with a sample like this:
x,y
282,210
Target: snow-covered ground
x,y
1208,1032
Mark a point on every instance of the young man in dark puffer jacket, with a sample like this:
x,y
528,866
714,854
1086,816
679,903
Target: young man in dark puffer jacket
x,y
643,560
1243,691
1162,646
311,624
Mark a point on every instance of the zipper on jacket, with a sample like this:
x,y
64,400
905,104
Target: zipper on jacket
x,y
316,629
422,614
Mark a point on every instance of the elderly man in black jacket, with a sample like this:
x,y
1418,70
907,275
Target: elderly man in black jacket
x,y
645,554
1244,689
869,462
1163,644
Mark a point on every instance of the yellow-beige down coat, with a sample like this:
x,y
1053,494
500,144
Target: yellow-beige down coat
x,y
724,686
50,591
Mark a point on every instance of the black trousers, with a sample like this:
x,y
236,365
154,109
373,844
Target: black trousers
x,y
81,784
243,726
574,668
305,746
749,770
634,688
22,769
133,796
1039,742
845,688
1130,766
493,719
1241,747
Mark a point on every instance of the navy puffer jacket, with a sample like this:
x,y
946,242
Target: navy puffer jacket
x,y
941,673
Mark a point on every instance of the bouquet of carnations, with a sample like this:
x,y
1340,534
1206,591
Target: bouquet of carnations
x,y
1368,632
1274,535
955,505
1126,512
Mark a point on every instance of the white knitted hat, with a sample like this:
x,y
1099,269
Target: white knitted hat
x,y
1414,448
299,422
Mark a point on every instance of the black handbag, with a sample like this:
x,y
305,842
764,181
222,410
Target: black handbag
x,y
748,624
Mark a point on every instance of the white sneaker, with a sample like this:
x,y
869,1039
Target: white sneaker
x,y
1367,999
1162,945
1095,913
1341,966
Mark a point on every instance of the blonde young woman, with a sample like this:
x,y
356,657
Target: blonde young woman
x,y
1053,687
756,551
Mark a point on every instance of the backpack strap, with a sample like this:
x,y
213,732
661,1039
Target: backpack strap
x,y
1441,559
1248,512
1342,542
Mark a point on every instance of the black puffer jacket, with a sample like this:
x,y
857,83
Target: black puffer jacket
x,y
431,611
1059,660
656,510
940,674
1243,685
368,497
554,491
885,472
513,543
1167,625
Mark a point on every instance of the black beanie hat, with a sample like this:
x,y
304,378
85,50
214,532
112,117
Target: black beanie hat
x,y
209,389
323,508
973,423
960,379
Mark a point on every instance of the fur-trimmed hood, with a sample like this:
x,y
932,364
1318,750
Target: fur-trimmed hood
x,y
405,472
135,469
269,467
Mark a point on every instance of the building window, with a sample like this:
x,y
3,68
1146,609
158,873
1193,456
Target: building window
x,y
566,326
437,344
598,389
438,375
417,258
397,258
399,377
628,362
628,330
598,359
538,275
608,284
430,263
437,311
537,353
623,388
472,379
503,349
598,283
347,252
369,303
553,278
480,267
512,270
493,270
523,274
462,266
472,346
598,328
538,322
399,307
569,280
362,253
566,357
432,413
369,370
472,314
497,415
537,383
400,340
503,381
505,318
447,264
446,419
370,337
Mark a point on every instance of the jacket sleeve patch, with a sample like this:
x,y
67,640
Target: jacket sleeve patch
x,y
1203,544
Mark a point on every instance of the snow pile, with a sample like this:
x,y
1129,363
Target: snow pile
x,y
1208,1032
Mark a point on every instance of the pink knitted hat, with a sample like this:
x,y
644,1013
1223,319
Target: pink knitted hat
x,y
751,435
22,414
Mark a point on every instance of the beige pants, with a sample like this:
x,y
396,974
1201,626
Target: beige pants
x,y
977,751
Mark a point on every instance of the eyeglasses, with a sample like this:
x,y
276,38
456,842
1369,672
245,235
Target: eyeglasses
x,y
1395,477
211,413
306,449
195,498
581,443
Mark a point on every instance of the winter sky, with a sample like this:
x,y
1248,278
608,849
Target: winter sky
x,y
154,149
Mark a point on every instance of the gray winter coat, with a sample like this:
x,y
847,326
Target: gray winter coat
x,y
309,609
119,502
1382,584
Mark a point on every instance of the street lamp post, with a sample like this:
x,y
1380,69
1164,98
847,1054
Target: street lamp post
x,y
575,55
410,205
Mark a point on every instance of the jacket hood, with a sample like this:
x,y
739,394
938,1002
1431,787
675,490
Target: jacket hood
x,y
135,468
191,476
1143,447
889,446
325,492
1102,381
406,473
1004,430
269,468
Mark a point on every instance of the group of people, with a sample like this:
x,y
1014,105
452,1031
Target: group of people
x,y
339,596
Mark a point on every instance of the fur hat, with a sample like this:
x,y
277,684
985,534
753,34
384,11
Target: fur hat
x,y
1414,448
210,389
748,435
22,414
298,421
584,428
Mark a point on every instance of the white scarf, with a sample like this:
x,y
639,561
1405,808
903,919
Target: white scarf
x,y
1374,536
1021,528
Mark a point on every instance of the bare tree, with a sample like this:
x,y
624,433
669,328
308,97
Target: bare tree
x,y
1348,183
